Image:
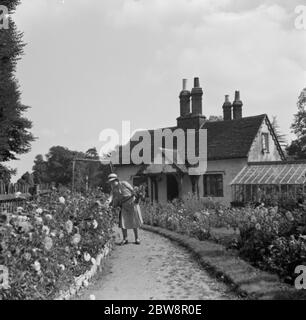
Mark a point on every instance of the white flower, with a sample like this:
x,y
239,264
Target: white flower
x,y
69,226
289,216
85,283
87,256
62,267
72,291
92,297
19,210
49,216
36,266
27,256
39,211
258,226
18,194
39,220
76,239
48,243
46,229
25,226
95,224
62,200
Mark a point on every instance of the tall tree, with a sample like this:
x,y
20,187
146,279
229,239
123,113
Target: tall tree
x,y
59,165
40,170
280,136
215,118
97,172
299,123
15,138
297,148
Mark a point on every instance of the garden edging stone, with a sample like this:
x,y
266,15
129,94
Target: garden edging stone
x,y
244,278
81,281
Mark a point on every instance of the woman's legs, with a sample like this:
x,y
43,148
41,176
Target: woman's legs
x,y
124,233
136,234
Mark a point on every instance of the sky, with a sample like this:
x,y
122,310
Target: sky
x,y
90,64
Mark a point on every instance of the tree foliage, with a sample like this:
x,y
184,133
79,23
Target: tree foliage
x,y
89,173
15,138
280,136
297,148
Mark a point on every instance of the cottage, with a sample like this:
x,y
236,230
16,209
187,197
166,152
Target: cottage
x,y
232,143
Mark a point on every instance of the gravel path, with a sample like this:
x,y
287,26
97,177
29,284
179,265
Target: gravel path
x,y
155,269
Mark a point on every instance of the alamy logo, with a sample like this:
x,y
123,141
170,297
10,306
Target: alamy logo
x,y
4,277
4,17
300,281
169,146
300,21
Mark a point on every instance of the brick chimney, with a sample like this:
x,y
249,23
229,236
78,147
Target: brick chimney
x,y
237,106
196,96
227,109
184,100
194,119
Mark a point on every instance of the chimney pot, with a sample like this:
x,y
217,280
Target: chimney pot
x,y
196,82
184,100
237,106
196,95
184,84
227,109
237,95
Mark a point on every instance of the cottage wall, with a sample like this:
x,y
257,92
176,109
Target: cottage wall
x,y
229,169
256,153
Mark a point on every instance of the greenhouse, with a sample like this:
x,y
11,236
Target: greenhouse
x,y
270,181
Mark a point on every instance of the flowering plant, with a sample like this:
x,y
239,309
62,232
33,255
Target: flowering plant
x,y
272,238
44,249
140,193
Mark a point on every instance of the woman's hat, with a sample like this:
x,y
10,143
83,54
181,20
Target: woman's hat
x,y
112,177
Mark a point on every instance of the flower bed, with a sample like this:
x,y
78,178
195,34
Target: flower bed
x,y
270,238
51,241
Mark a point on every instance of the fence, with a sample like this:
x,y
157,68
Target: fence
x,y
10,204
12,188
14,195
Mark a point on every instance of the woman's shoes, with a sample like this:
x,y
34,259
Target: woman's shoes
x,y
123,242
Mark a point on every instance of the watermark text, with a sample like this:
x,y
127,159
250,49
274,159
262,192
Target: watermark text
x,y
4,17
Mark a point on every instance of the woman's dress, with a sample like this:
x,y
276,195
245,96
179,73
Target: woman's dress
x,y
130,214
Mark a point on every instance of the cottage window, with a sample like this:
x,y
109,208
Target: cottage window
x,y
265,142
213,185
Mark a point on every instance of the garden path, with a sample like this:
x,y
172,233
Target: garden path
x,y
155,269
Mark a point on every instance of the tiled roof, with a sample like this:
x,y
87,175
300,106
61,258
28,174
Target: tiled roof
x,y
231,138
225,139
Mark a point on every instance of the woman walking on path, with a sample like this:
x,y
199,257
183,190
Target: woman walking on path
x,y
123,196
